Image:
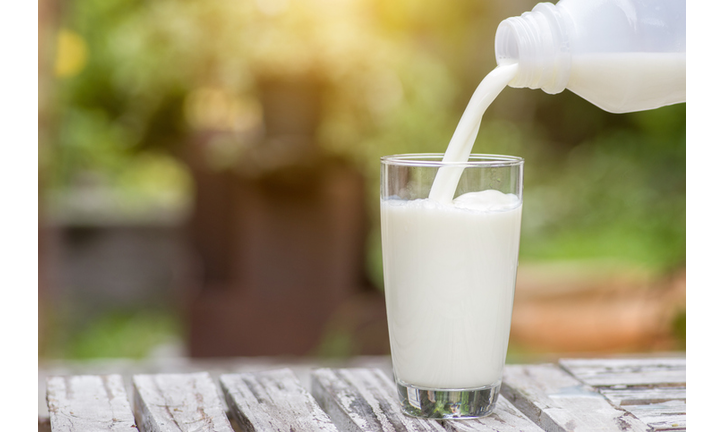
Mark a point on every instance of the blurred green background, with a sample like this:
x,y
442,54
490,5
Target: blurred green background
x,y
126,85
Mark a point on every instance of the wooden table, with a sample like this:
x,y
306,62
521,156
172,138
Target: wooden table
x,y
616,394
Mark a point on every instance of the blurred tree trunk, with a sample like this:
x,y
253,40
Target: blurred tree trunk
x,y
281,238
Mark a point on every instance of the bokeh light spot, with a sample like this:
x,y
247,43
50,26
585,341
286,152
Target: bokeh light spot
x,y
71,54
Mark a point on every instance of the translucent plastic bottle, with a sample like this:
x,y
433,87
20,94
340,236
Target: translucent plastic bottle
x,y
620,55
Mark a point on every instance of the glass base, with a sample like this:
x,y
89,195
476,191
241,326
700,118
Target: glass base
x,y
447,403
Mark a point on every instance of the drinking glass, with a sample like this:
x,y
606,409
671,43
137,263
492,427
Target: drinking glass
x,y
450,267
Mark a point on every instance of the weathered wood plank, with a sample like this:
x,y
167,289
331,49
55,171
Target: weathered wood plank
x,y
560,403
628,372
89,403
273,401
652,389
364,400
661,416
667,423
661,408
658,409
178,403
504,418
643,396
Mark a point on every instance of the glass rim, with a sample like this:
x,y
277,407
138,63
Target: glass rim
x,y
435,160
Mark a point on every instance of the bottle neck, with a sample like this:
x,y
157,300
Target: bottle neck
x,y
538,42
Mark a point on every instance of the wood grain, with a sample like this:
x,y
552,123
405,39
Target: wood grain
x,y
273,401
632,395
178,403
364,400
628,372
652,389
89,403
504,418
558,402
643,396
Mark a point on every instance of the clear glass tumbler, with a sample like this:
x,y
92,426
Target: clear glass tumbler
x,y
449,269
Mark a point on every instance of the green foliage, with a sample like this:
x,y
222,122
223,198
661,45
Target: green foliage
x,y
119,334
336,343
619,195
679,328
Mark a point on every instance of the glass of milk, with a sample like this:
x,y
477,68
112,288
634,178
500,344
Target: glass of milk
x,y
449,273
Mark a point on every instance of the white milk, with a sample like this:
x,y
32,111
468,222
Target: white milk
x,y
450,274
642,80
